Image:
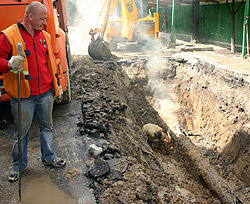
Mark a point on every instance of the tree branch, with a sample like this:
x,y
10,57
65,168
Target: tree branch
x,y
241,3
228,7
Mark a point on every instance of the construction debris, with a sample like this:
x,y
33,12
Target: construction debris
x,y
192,49
95,151
96,114
99,168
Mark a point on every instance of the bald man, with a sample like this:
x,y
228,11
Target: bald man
x,y
39,82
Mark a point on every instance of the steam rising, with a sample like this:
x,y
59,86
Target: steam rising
x,y
160,87
84,15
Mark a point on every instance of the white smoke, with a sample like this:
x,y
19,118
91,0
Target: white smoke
x,y
85,15
164,98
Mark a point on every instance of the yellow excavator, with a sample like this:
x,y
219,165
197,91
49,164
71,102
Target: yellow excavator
x,y
125,28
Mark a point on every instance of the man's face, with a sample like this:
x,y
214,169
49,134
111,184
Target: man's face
x,y
38,21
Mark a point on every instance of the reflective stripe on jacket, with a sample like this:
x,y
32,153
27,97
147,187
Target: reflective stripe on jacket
x,y
14,36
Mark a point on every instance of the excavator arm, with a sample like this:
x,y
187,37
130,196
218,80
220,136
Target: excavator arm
x,y
129,16
98,48
124,29
109,7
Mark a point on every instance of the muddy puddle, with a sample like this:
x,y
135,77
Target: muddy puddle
x,y
43,190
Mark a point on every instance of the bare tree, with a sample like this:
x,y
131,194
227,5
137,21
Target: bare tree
x,y
233,12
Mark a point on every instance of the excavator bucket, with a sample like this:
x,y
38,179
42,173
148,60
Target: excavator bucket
x,y
99,49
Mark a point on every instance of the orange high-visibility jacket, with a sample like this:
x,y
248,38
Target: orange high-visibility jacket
x,y
11,78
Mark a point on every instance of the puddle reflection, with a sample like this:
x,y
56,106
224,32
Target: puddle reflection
x,y
44,191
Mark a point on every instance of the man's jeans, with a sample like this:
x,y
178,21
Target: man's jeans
x,y
42,105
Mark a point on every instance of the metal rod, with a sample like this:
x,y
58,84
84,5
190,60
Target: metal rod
x,y
245,25
19,129
19,138
172,37
247,39
157,6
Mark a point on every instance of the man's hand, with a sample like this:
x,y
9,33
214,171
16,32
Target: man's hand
x,y
163,147
59,98
16,62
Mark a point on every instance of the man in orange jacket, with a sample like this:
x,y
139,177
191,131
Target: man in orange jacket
x,y
39,82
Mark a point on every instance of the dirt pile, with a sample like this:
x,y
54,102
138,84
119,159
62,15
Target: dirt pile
x,y
150,177
97,113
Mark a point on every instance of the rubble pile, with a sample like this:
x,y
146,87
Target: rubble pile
x,y
107,169
97,113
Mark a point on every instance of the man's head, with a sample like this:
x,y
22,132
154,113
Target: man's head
x,y
35,16
158,135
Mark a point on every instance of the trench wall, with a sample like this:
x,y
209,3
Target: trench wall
x,y
211,104
215,105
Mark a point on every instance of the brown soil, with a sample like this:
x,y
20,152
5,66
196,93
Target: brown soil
x,y
201,98
200,92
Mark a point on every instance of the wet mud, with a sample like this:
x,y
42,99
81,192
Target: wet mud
x,y
43,190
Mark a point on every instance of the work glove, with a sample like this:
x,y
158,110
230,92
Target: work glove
x,y
59,98
16,62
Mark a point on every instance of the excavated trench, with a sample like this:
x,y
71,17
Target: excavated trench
x,y
112,100
210,106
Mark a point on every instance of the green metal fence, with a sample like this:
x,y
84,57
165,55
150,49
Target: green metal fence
x,y
214,21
